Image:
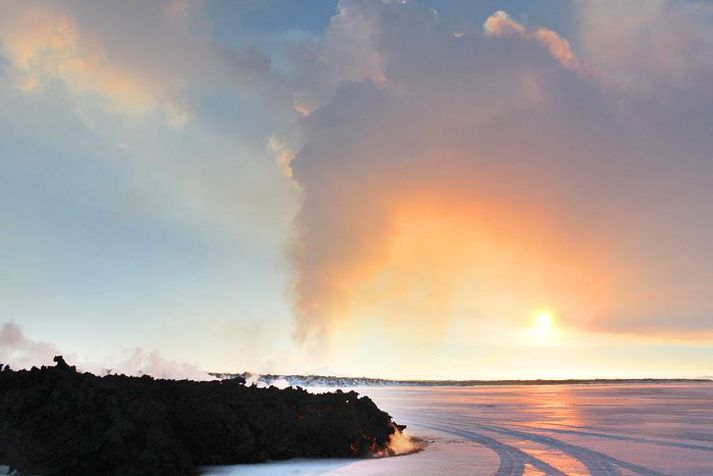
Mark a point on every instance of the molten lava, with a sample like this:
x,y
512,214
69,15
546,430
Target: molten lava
x,y
399,444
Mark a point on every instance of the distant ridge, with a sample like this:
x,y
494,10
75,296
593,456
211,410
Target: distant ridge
x,y
333,381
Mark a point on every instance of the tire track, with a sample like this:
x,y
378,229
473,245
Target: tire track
x,y
634,439
597,463
512,459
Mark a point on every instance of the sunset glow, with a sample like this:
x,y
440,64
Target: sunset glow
x,y
416,189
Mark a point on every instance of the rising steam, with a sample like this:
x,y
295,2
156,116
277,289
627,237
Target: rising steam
x,y
21,352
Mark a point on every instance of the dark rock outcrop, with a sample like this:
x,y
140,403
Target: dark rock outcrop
x,y
56,421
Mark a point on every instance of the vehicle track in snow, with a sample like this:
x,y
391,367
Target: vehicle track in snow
x,y
633,439
513,459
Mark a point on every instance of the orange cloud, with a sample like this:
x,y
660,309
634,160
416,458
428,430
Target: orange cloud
x,y
558,47
45,43
125,57
499,24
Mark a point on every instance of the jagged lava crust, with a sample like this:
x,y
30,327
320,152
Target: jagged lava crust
x,y
57,421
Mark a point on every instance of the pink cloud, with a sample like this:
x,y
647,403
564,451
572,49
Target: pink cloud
x,y
499,24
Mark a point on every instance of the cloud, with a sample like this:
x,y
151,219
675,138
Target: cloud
x,y
348,52
481,181
499,24
136,58
135,75
45,43
448,180
649,48
558,47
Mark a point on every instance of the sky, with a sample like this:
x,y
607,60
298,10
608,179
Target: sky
x,y
404,189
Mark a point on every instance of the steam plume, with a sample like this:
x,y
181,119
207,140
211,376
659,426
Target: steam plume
x,y
481,177
19,352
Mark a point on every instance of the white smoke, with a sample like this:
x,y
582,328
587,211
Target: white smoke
x,y
263,381
21,352
141,362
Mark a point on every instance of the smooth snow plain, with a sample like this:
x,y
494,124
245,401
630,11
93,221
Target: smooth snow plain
x,y
627,429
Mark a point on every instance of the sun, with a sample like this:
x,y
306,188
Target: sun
x,y
543,330
545,322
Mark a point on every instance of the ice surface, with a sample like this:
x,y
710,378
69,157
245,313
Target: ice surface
x,y
540,429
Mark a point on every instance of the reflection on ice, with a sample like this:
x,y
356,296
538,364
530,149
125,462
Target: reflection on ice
x,y
550,429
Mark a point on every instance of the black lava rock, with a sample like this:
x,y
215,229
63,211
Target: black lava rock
x,y
56,421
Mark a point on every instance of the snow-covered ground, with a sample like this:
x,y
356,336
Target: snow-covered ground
x,y
547,429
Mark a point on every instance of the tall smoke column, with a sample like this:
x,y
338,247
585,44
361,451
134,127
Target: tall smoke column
x,y
500,136
381,140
